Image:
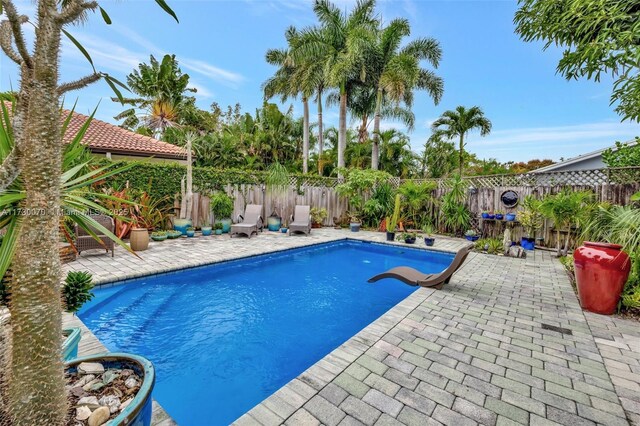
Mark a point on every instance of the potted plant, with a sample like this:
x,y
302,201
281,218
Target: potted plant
x,y
429,240
408,237
112,370
139,238
222,209
392,221
191,232
491,216
485,214
159,235
173,234
284,228
182,225
531,220
499,215
471,235
277,185
354,223
219,227
318,215
76,291
510,217
206,230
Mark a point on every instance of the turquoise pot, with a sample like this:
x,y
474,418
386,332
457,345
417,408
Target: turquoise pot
x,y
206,231
182,225
190,233
70,345
226,225
219,231
138,412
273,223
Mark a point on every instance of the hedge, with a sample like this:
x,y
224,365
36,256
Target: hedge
x,y
163,179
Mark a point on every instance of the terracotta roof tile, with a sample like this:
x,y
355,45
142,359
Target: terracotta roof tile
x,y
105,137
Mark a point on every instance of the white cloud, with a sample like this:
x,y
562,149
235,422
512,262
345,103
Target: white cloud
x,y
212,72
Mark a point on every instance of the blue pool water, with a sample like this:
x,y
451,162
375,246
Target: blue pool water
x,y
224,337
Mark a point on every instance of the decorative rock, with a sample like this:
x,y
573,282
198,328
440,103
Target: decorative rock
x,y
113,402
517,251
83,413
126,372
90,368
97,386
91,383
115,392
125,404
131,383
78,392
84,380
109,376
89,401
99,417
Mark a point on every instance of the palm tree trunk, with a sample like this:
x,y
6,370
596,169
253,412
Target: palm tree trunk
x,y
461,157
320,134
305,135
36,388
342,129
375,148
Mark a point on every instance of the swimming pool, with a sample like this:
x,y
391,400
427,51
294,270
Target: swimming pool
x,y
224,337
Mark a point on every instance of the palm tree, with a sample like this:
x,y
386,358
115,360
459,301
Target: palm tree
x,y
289,80
458,123
161,88
341,44
398,72
396,157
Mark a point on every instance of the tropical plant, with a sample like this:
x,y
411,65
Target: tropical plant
x,y
624,154
566,209
599,36
454,214
221,205
77,290
418,200
397,72
318,215
357,185
428,229
458,123
379,204
150,213
531,218
31,154
392,221
438,158
396,156
161,87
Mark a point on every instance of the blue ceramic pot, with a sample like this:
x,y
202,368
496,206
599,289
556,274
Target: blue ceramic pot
x,y
182,225
472,238
191,233
528,243
138,412
206,231
485,215
429,241
510,217
70,345
499,217
491,216
226,225
273,223
219,231
355,227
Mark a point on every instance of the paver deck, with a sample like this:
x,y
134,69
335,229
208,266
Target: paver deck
x,y
504,343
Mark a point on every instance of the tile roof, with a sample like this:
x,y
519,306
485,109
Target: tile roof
x,y
105,137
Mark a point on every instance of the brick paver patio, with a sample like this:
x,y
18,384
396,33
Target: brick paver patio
x,y
504,343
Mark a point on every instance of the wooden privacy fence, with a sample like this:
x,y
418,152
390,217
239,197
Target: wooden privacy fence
x,y
615,185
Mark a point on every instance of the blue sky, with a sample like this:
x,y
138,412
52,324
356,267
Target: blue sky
x,y
221,44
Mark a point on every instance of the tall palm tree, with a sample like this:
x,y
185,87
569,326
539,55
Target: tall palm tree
x,y
289,80
341,43
458,123
398,72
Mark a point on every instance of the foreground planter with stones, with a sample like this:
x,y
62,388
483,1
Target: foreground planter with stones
x,y
112,388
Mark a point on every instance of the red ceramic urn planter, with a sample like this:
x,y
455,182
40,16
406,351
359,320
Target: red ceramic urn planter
x,y
601,271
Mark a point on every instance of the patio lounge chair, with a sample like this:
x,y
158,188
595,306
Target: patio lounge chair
x,y
84,241
414,277
300,220
250,223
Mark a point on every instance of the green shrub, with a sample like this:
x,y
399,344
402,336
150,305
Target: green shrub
x,y
221,205
77,290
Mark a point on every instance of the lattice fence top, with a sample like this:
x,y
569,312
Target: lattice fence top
x,y
622,175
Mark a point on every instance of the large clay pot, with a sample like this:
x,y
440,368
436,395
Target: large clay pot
x,y
601,271
139,239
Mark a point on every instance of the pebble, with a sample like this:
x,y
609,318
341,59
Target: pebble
x,y
90,368
131,383
109,376
83,413
78,392
99,417
89,401
113,402
84,380
126,372
91,383
96,386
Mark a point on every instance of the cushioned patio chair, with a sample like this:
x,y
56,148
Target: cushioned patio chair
x,y
84,241
300,220
416,278
250,223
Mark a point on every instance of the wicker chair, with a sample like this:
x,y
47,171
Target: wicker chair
x,y
84,241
